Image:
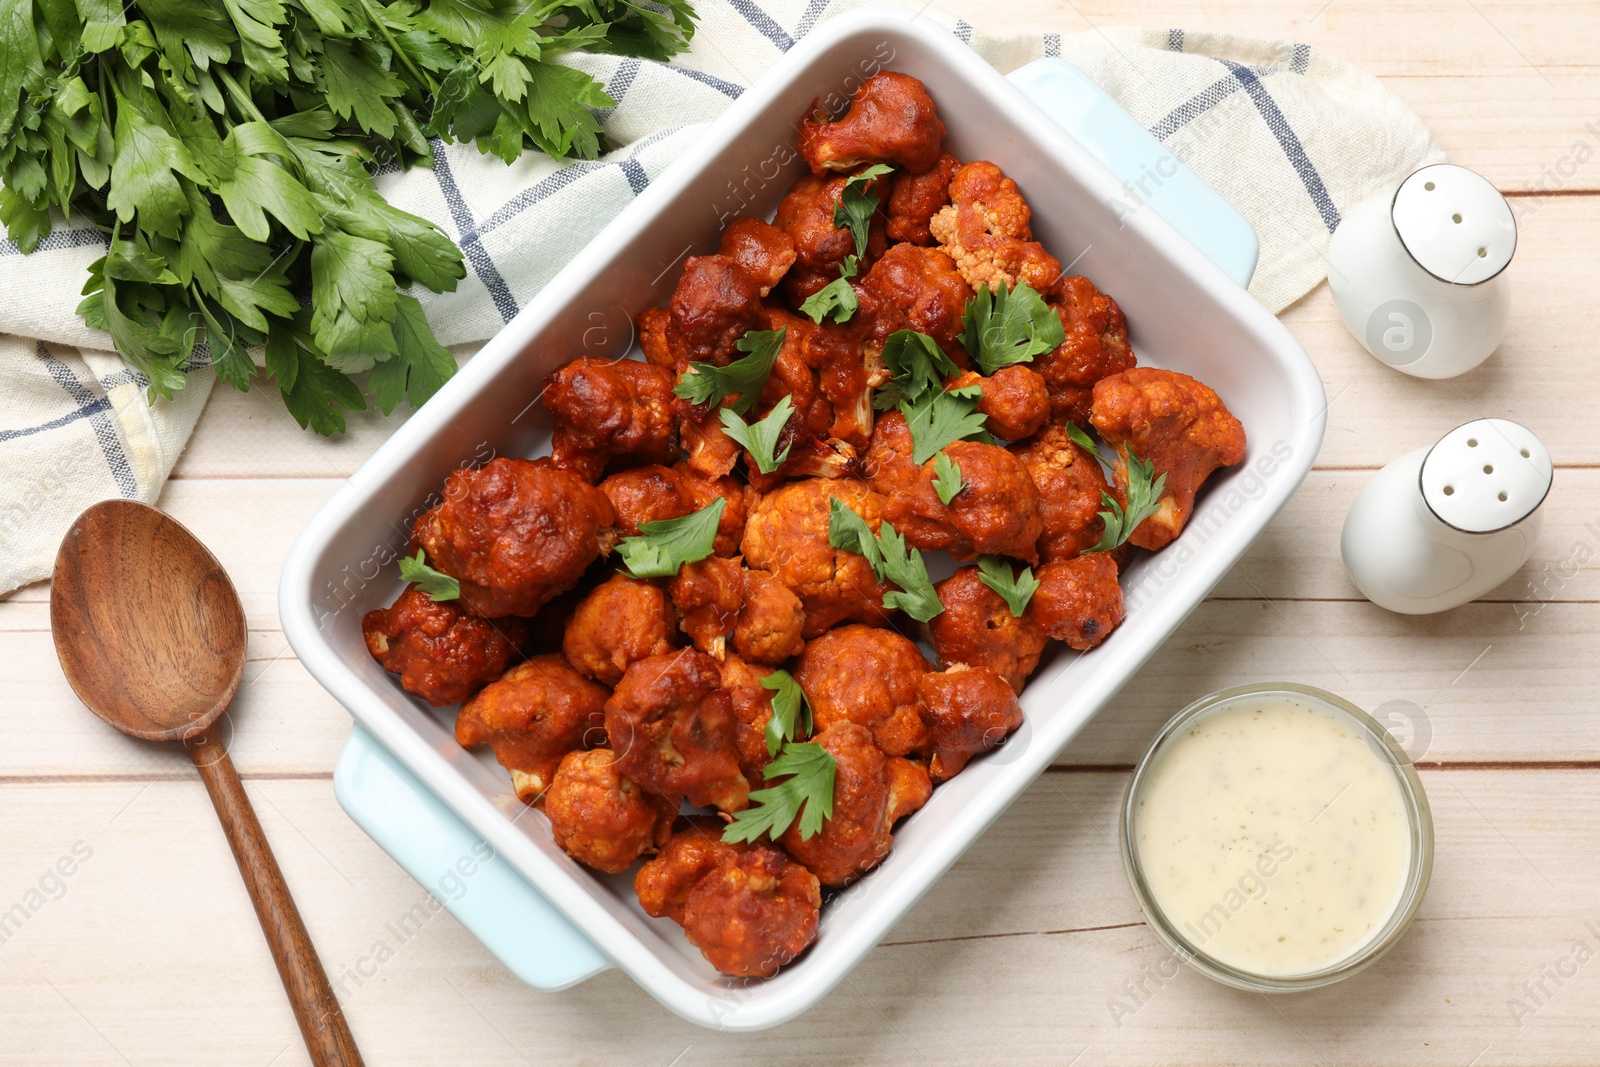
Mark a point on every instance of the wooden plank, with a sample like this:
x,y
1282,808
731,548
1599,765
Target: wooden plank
x,y
1468,684
1485,39
1003,953
1297,557
249,524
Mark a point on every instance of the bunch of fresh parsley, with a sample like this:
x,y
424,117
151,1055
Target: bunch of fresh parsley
x,y
227,146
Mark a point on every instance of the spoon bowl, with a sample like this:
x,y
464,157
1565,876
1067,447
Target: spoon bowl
x,y
152,637
147,625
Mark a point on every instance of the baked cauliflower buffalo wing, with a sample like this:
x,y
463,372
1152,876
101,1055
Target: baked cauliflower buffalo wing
x,y
987,228
787,536
1096,347
694,850
995,512
1078,600
891,120
752,707
1176,423
871,792
600,817
716,302
748,908
515,533
914,199
969,710
622,621
1070,484
674,732
722,601
610,408
535,714
806,215
709,595
977,629
1015,403
868,676
751,916
760,249
912,288
654,493
441,653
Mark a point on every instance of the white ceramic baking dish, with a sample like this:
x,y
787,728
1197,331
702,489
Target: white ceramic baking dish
x,y
1184,312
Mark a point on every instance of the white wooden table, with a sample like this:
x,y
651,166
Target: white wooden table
x,y
1031,949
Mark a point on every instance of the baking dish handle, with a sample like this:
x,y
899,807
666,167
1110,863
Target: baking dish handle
x,y
1149,171
459,869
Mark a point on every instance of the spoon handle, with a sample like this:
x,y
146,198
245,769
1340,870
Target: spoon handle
x,y
322,1023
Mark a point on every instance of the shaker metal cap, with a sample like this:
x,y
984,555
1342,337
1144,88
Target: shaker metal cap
x,y
1486,475
1455,224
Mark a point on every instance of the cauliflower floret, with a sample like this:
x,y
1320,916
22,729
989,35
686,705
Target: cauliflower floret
x,y
987,230
1180,426
891,120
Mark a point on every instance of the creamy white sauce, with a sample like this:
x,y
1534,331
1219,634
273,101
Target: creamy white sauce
x,y
1273,836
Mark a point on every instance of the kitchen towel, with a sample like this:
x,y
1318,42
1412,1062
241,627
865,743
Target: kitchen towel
x,y
1289,134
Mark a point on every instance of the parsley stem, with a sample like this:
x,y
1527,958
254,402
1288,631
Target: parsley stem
x,y
241,99
383,28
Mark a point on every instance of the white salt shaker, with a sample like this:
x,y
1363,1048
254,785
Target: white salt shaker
x,y
1419,275
1441,526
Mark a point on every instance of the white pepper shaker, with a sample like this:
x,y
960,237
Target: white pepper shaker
x,y
1419,274
1442,526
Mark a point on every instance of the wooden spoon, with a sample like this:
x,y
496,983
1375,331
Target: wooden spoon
x,y
151,636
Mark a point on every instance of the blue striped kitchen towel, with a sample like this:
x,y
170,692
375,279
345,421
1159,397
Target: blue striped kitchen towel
x,y
1290,135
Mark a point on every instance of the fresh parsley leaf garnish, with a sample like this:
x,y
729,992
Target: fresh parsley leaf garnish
x,y
1009,326
438,585
946,477
917,363
663,546
708,384
1015,589
904,567
791,713
849,531
837,298
807,792
762,437
889,559
1144,500
943,417
1082,439
857,202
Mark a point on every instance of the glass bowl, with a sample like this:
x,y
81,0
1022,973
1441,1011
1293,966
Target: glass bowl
x,y
1418,816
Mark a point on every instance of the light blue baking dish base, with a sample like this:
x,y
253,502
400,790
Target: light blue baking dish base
x,y
495,903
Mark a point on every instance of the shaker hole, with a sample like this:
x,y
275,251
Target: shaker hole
x,y
1525,454
1502,498
1455,218
1483,253
1449,490
1487,469
1472,442
1428,186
